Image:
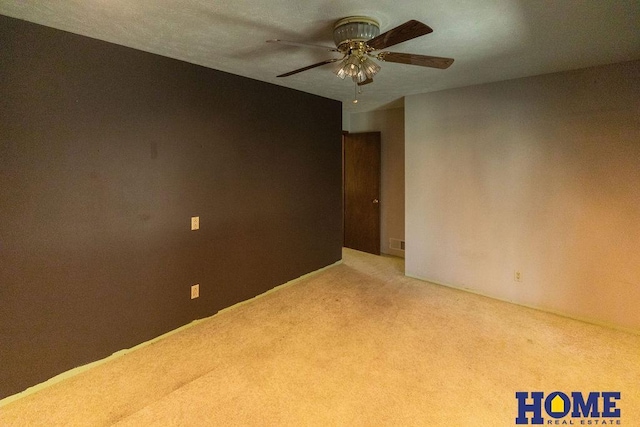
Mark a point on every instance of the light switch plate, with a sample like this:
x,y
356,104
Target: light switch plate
x,y
195,222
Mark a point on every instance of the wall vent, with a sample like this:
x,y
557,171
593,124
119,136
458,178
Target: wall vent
x,y
396,244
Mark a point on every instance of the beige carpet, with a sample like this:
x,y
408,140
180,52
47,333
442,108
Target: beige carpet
x,y
358,344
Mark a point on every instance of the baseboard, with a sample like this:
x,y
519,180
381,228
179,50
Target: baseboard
x,y
80,369
591,321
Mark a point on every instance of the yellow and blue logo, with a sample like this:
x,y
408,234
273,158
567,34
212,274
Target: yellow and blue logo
x,y
597,408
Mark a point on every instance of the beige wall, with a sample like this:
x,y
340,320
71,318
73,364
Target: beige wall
x,y
346,120
539,175
390,123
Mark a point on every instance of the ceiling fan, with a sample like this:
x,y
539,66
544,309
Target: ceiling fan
x,y
357,38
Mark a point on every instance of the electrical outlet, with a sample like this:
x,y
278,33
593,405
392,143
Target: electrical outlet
x,y
517,276
195,291
195,222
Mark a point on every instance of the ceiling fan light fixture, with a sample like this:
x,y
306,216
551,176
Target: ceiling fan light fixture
x,y
358,67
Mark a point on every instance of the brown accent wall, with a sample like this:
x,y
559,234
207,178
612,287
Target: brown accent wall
x,y
105,154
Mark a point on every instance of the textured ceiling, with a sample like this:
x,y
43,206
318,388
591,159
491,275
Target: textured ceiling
x,y
490,40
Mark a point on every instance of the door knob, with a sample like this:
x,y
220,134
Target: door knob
x,y
376,201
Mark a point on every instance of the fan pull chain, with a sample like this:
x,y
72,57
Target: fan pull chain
x,y
356,90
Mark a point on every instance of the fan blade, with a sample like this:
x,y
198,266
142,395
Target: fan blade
x,y
299,70
407,31
316,46
366,82
421,60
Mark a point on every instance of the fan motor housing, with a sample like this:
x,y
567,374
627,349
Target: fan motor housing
x,y
355,29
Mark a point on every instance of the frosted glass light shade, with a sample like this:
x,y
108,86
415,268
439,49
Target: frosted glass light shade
x,y
369,67
357,28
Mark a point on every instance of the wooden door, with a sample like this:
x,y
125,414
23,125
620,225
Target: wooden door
x,y
362,191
